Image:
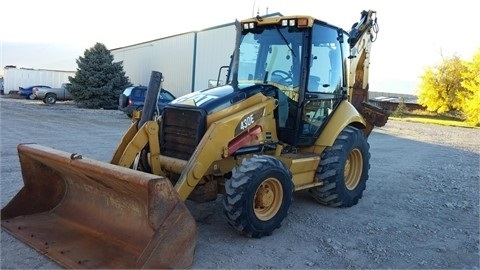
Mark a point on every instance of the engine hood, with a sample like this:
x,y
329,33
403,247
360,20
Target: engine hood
x,y
218,98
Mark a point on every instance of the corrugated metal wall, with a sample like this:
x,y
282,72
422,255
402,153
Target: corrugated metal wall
x,y
187,61
172,56
214,49
136,62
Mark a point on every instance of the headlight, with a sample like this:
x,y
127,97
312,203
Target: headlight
x,y
249,25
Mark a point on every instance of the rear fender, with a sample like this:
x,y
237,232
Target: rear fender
x,y
343,116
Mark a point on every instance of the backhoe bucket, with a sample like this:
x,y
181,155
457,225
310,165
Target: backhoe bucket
x,y
84,213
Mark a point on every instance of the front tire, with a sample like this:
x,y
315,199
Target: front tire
x,y
344,169
258,196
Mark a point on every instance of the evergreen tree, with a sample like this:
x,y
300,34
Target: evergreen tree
x,y
401,109
98,81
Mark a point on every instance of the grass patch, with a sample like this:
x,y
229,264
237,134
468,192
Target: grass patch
x,y
437,120
453,118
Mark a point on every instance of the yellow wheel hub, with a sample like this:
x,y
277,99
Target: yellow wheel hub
x,y
268,199
353,169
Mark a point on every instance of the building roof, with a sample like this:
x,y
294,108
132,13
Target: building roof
x,y
393,97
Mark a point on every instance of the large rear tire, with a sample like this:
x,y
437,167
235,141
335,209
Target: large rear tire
x,y
258,196
344,169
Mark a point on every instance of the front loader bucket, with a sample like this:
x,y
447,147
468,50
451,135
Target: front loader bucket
x,y
84,213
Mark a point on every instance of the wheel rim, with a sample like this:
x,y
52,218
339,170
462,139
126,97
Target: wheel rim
x,y
268,199
31,96
353,169
50,100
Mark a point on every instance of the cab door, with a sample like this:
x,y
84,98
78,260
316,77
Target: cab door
x,y
325,83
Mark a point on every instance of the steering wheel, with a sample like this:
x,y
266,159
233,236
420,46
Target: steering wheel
x,y
285,76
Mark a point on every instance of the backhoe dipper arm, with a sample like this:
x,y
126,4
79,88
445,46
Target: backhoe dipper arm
x,y
362,35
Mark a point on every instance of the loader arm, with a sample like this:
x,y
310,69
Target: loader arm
x,y
362,35
134,141
142,132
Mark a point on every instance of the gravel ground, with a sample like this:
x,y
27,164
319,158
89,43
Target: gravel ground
x,y
420,209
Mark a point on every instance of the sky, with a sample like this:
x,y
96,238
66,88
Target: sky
x,y
413,35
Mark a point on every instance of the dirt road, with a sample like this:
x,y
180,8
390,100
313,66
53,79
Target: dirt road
x,y
420,208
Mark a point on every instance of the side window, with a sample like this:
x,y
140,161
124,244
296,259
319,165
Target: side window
x,y
336,76
248,58
319,69
326,61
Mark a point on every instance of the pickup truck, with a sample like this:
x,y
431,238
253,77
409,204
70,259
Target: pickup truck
x,y
51,95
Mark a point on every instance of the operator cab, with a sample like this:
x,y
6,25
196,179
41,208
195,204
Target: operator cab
x,y
304,59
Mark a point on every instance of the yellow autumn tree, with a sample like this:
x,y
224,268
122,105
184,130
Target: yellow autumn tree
x,y
471,82
453,85
441,86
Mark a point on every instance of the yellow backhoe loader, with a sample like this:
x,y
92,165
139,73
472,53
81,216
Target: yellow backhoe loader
x,y
293,115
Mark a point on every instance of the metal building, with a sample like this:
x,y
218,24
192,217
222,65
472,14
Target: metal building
x,y
24,77
188,61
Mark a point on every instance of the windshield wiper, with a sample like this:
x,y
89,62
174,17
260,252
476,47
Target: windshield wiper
x,y
286,41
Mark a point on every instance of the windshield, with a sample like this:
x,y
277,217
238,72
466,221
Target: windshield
x,y
271,56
